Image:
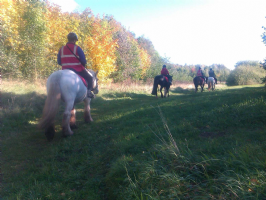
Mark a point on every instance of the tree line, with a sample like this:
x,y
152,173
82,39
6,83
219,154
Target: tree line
x,y
33,31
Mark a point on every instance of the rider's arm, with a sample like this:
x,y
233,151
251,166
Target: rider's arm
x,y
81,56
59,57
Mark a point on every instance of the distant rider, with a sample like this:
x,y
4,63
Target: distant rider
x,y
212,74
165,72
72,57
200,73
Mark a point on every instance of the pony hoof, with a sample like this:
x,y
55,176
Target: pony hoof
x,y
67,133
88,120
74,126
49,133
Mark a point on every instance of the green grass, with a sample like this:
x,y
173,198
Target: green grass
x,y
209,145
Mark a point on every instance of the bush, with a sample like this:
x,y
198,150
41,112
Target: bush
x,y
246,74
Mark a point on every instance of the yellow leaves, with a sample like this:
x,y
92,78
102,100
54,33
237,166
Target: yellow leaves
x,y
95,36
10,17
145,61
100,49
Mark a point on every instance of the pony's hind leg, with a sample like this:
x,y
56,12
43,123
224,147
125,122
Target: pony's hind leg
x,y
66,119
49,132
72,120
161,92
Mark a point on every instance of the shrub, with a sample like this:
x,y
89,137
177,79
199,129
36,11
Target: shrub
x,y
246,73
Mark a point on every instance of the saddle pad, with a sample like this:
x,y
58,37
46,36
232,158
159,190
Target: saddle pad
x,y
166,78
83,80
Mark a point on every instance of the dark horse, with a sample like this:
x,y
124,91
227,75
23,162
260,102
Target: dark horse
x,y
199,81
161,80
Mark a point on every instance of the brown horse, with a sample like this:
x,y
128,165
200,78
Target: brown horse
x,y
161,80
199,81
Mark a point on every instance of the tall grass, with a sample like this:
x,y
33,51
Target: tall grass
x,y
208,145
176,172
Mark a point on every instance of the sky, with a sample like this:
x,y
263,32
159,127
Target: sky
x,y
189,31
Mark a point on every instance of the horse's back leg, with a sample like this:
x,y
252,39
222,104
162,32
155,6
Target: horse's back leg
x,y
87,113
66,118
72,120
49,132
161,91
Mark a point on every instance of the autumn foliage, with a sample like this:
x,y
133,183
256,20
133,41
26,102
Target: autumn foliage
x,y
32,32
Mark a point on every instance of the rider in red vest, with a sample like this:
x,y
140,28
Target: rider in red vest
x,y
165,73
72,57
200,73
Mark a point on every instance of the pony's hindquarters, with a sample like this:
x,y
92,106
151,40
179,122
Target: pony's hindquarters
x,y
211,83
51,105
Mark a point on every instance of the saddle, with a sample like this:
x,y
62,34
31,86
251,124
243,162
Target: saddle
x,y
166,78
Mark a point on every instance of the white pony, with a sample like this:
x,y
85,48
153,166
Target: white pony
x,y
67,86
211,83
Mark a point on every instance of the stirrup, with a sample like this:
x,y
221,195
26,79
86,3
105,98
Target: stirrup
x,y
90,94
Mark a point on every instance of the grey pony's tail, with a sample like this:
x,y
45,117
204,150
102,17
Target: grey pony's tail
x,y
51,104
155,86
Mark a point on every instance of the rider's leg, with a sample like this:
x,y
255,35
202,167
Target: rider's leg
x,y
88,78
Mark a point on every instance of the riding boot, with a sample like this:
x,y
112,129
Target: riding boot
x,y
90,94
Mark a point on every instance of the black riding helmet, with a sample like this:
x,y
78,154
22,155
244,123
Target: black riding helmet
x,y
72,36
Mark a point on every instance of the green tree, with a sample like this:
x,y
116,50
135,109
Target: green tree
x,y
246,73
32,33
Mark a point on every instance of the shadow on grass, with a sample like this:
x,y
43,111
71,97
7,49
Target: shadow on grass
x,y
123,126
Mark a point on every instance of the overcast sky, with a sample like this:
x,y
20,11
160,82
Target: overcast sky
x,y
190,31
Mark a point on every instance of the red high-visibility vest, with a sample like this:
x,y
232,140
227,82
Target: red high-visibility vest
x,y
68,60
199,73
164,71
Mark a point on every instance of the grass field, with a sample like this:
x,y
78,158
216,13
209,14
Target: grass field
x,y
209,145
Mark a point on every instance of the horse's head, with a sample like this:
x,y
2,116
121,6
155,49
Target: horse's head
x,y
170,79
94,81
